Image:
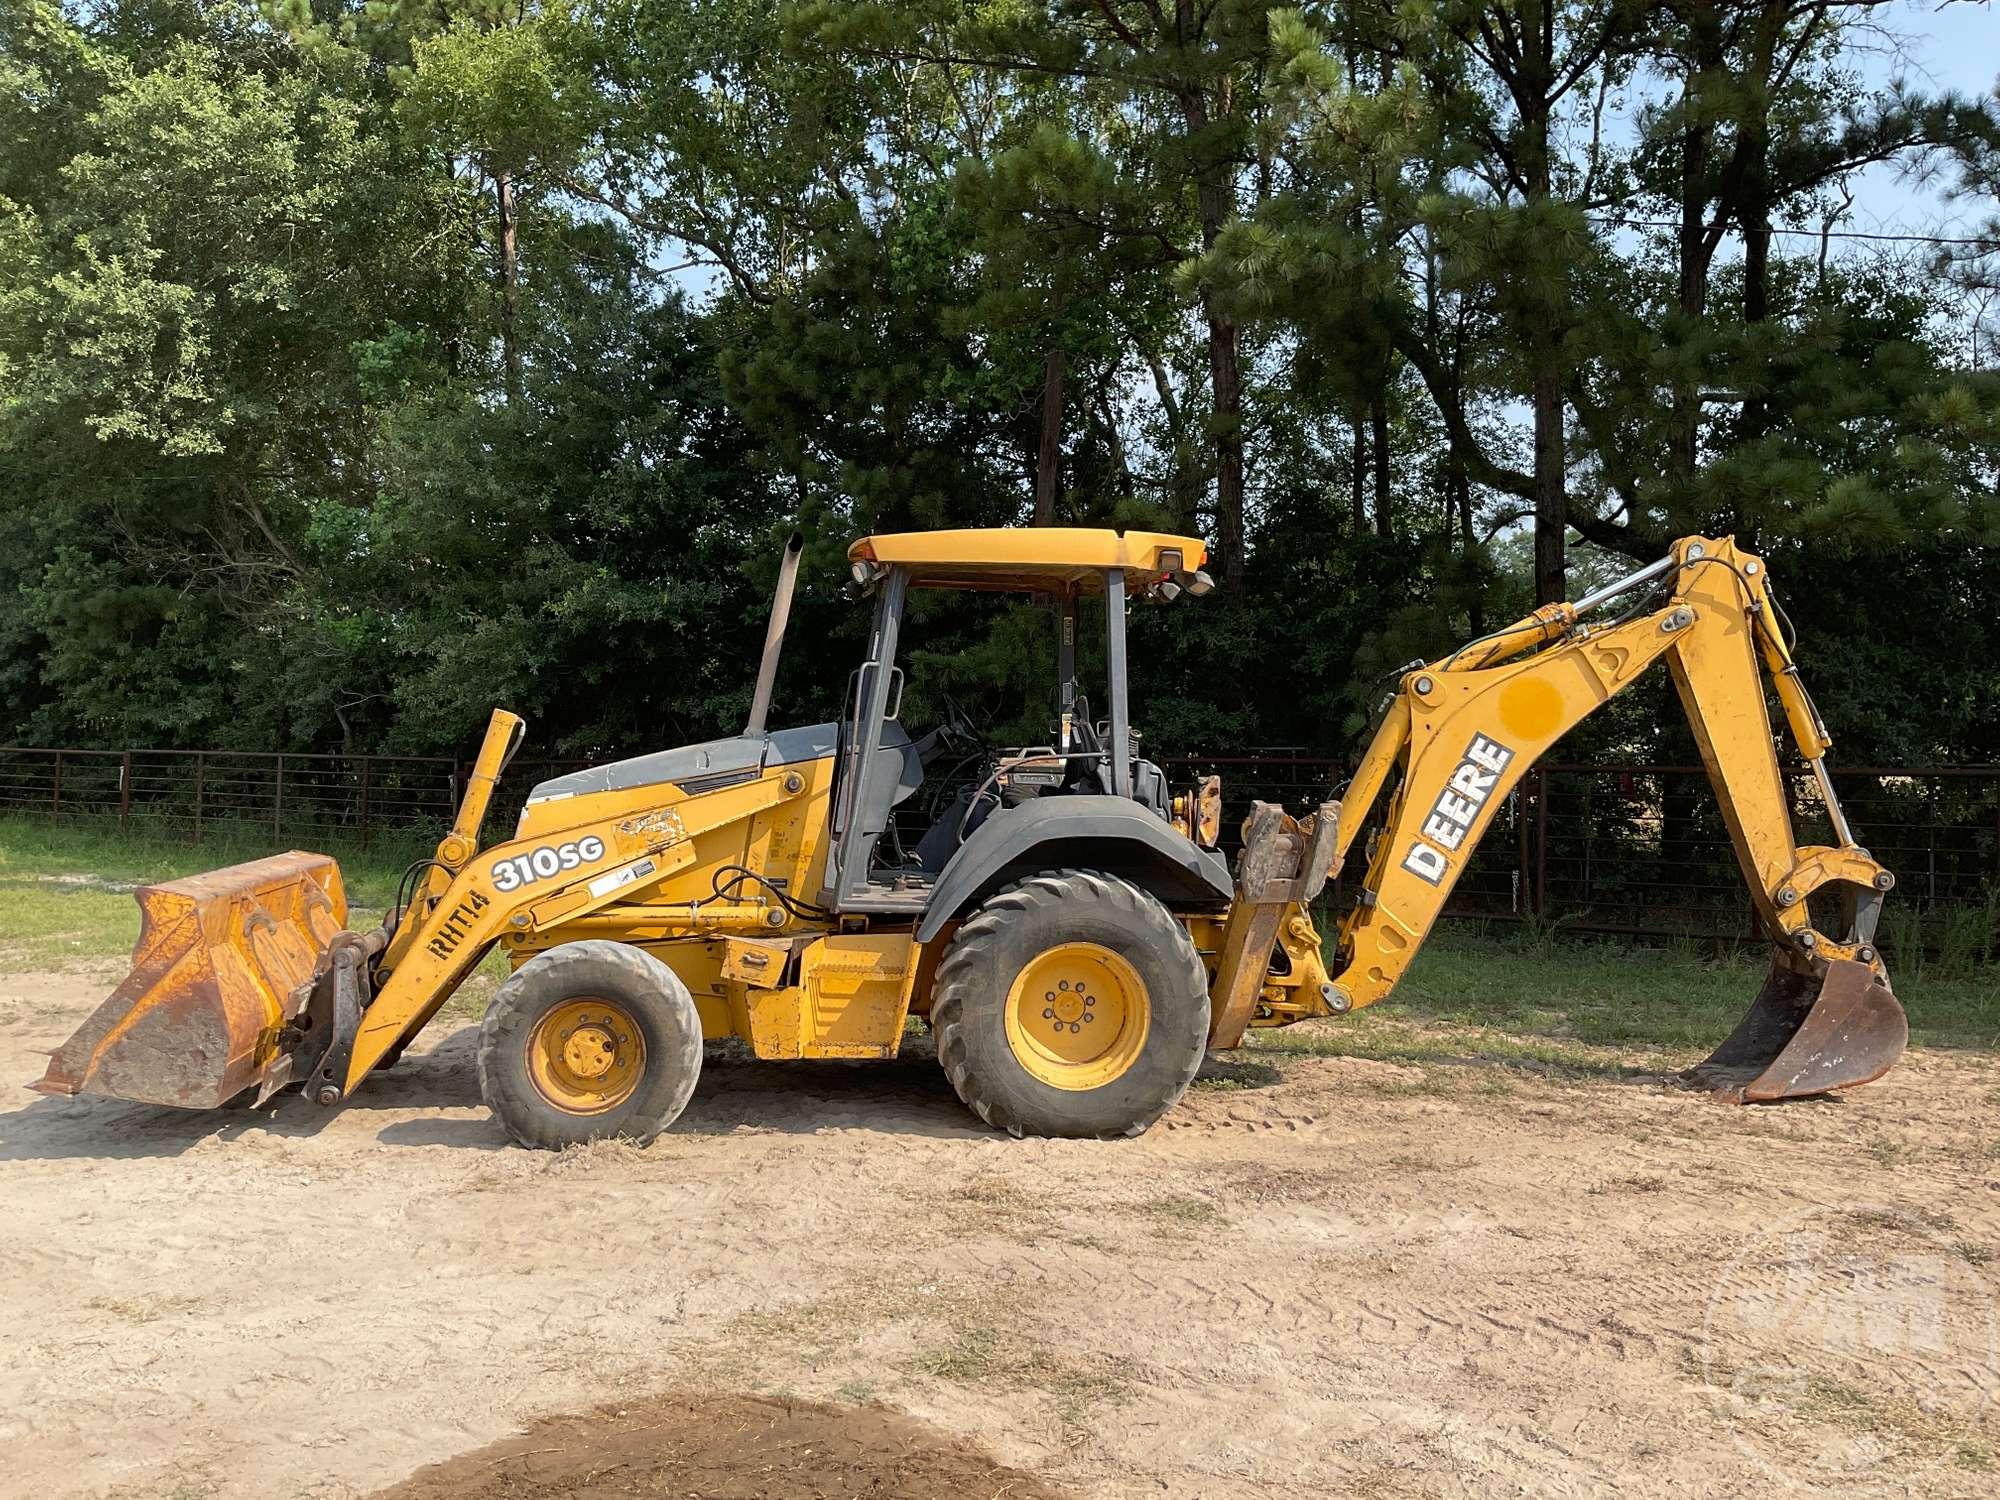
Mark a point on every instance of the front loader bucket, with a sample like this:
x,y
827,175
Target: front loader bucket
x,y
222,963
1805,1036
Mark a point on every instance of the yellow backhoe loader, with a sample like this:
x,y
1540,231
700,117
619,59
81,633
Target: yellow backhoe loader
x,y
1063,920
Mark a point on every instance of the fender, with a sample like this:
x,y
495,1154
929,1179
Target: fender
x,y
1112,834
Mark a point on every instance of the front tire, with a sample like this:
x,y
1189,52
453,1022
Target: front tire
x,y
1071,1004
591,1041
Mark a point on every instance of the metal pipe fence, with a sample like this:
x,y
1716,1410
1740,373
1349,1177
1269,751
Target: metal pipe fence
x,y
200,794
1631,849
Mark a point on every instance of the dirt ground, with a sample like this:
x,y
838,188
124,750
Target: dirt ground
x,y
1338,1277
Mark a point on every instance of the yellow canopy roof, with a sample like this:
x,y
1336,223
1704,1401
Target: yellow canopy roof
x,y
1030,557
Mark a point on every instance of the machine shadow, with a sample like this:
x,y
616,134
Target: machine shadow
x,y
907,1096
97,1129
89,1127
737,1093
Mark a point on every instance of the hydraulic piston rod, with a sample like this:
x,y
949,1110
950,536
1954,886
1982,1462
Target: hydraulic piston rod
x,y
1625,585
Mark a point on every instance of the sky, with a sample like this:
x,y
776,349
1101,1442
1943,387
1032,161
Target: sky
x,y
1945,47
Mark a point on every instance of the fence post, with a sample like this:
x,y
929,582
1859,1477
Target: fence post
x,y
278,798
366,761
1931,855
197,796
124,791
1523,868
1541,841
55,789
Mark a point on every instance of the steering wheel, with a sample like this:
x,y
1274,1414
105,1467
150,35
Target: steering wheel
x,y
958,728
957,743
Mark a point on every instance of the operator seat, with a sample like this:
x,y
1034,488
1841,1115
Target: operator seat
x,y
901,773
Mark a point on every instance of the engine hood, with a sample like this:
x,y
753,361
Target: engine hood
x,y
693,763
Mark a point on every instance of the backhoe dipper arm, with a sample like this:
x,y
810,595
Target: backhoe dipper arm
x,y
1464,730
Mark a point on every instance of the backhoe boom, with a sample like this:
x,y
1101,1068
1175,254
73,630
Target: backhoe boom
x,y
1464,730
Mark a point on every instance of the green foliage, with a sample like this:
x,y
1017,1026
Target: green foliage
x,y
362,365
502,93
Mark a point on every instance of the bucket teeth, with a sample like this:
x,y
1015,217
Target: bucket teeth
x,y
216,972
1805,1035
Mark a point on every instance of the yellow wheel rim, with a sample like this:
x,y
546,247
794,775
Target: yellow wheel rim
x,y
1077,1016
585,1056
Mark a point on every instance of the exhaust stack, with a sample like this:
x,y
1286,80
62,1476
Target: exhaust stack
x,y
774,634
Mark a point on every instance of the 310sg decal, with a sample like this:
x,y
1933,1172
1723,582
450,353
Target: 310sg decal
x,y
550,859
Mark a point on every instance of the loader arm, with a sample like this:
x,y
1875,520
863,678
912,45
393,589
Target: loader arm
x,y
461,841
245,980
520,890
1462,732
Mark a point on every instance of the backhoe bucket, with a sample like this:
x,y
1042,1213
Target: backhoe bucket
x,y
224,961
1804,1036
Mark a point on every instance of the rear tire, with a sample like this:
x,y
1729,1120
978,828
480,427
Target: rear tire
x,y
1071,1004
591,1041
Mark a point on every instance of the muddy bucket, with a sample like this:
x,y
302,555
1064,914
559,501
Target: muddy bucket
x,y
222,964
1807,1035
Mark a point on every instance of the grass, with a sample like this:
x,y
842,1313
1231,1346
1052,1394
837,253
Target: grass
x,y
987,1358
66,889
147,1310
96,845
1815,1397
954,1330
1180,1215
1594,1007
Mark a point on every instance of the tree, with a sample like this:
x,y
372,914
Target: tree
x,y
364,365
1764,121
1183,84
188,264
